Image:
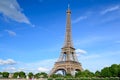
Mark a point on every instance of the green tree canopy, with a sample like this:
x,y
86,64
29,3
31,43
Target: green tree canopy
x,y
43,74
16,74
68,75
105,72
119,70
30,74
97,74
37,75
78,74
5,74
22,74
114,70
87,73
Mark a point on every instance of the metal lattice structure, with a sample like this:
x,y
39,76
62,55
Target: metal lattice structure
x,y
67,61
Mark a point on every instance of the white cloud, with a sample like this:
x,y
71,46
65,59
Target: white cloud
x,y
41,69
81,51
7,62
91,61
79,19
11,33
114,8
10,69
12,10
35,67
96,61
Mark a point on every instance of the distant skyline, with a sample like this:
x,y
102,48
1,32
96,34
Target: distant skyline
x,y
32,33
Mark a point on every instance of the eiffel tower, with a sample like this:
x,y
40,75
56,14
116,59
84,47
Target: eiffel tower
x,y
67,62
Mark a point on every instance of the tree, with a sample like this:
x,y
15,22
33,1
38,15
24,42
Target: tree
x,y
0,73
68,75
30,75
37,75
78,74
87,73
43,75
22,74
54,76
16,74
119,70
105,72
97,74
114,70
5,74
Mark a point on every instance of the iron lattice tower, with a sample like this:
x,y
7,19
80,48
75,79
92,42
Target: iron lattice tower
x,y
67,61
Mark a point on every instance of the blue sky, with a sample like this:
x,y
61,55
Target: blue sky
x,y
32,33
